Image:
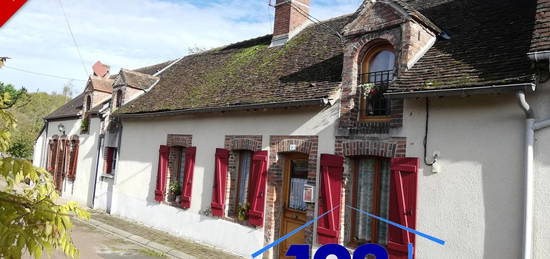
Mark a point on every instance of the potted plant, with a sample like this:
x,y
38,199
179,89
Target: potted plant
x,y
242,211
85,124
368,89
174,191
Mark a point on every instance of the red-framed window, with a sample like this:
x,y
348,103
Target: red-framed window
x,y
370,193
243,179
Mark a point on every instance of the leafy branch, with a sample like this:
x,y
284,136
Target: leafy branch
x,y
31,218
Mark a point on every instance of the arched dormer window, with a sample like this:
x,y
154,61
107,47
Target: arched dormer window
x,y
377,71
118,98
88,104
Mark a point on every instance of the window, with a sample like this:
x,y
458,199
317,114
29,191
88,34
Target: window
x,y
110,160
118,99
243,176
88,104
181,167
298,179
371,193
377,71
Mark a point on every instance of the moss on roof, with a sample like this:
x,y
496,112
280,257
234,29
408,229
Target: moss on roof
x,y
309,66
488,45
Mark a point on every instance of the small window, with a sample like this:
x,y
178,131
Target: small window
x,y
110,160
245,162
370,192
88,104
298,180
181,166
377,71
118,99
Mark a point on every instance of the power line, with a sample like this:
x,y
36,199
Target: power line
x,y
43,74
74,39
316,21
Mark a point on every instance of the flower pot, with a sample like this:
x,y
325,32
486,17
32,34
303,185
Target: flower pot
x,y
178,199
171,196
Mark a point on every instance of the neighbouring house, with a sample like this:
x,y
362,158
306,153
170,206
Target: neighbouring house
x,y
428,113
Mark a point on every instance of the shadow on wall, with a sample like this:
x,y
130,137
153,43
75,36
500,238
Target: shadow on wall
x,y
485,147
91,155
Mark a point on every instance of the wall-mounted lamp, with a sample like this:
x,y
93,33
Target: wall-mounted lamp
x,y
436,166
61,129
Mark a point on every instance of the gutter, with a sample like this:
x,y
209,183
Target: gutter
x,y
463,91
320,102
539,55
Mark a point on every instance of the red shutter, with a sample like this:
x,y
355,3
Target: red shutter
x,y
53,157
49,166
108,162
404,172
161,173
73,160
188,177
218,192
328,227
256,188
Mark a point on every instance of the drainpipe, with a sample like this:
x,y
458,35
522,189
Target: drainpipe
x,y
44,153
530,127
528,176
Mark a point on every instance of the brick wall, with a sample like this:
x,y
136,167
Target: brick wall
x,y
177,144
354,52
350,147
377,22
236,143
288,18
279,145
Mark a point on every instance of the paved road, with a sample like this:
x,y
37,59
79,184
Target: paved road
x,y
94,244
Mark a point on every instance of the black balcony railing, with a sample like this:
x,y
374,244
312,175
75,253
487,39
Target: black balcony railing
x,y
374,85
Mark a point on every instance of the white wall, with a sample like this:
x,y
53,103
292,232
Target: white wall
x,y
81,190
103,198
475,204
39,150
136,174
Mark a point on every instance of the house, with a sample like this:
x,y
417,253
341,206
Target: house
x,y
406,109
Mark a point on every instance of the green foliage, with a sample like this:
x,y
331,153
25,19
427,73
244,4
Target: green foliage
x,y
85,124
242,211
29,111
175,188
30,217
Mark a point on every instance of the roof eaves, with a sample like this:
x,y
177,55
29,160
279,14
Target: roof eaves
x,y
310,102
462,91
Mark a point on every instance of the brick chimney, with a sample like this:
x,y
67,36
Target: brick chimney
x,y
101,69
288,20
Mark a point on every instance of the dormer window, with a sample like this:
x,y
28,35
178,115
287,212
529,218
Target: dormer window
x,y
118,98
377,71
88,104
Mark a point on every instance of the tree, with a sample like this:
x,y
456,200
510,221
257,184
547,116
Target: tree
x,y
29,111
68,89
30,217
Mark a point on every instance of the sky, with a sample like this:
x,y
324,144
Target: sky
x,y
127,34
